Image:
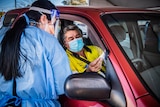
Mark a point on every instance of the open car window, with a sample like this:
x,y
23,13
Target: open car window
x,y
90,36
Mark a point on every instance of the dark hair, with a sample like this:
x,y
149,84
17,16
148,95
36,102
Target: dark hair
x,y
44,4
10,45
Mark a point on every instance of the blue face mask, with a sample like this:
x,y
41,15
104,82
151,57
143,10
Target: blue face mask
x,y
76,45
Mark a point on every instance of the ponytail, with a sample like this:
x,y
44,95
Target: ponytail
x,y
10,50
10,45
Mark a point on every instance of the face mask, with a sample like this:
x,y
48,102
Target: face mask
x,y
76,45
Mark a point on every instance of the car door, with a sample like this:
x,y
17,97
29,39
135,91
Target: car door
x,y
92,37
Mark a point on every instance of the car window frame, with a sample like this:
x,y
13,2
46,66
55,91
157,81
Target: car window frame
x,y
95,39
111,76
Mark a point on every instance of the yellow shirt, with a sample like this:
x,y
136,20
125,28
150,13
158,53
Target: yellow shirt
x,y
78,65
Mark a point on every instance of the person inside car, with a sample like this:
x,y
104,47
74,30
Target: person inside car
x,y
83,58
31,72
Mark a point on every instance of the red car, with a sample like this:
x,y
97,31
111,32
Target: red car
x,y
131,40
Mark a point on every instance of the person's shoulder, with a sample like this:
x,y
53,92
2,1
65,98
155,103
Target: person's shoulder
x,y
39,33
32,30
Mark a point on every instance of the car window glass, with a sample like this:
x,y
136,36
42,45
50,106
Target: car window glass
x,y
139,38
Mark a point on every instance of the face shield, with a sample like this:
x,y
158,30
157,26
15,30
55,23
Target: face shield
x,y
54,17
57,28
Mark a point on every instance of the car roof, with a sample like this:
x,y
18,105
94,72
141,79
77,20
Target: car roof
x,y
84,9
17,11
106,9
81,10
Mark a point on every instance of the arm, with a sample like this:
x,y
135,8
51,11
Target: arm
x,y
60,65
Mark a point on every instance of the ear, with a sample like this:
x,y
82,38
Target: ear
x,y
43,19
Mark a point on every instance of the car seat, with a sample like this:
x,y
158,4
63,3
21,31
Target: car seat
x,y
156,28
151,39
125,41
151,46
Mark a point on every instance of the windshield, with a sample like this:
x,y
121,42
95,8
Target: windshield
x,y
139,37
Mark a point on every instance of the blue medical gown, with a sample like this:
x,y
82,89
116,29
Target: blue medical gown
x,y
44,66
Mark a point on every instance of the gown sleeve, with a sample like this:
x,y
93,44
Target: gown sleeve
x,y
60,65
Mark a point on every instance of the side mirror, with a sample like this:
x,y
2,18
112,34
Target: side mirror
x,y
87,86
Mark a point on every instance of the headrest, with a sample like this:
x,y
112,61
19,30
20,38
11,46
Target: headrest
x,y
119,32
151,40
156,28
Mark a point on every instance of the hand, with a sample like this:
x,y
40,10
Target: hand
x,y
95,66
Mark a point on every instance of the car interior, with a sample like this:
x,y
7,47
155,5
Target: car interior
x,y
139,40
152,54
116,95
